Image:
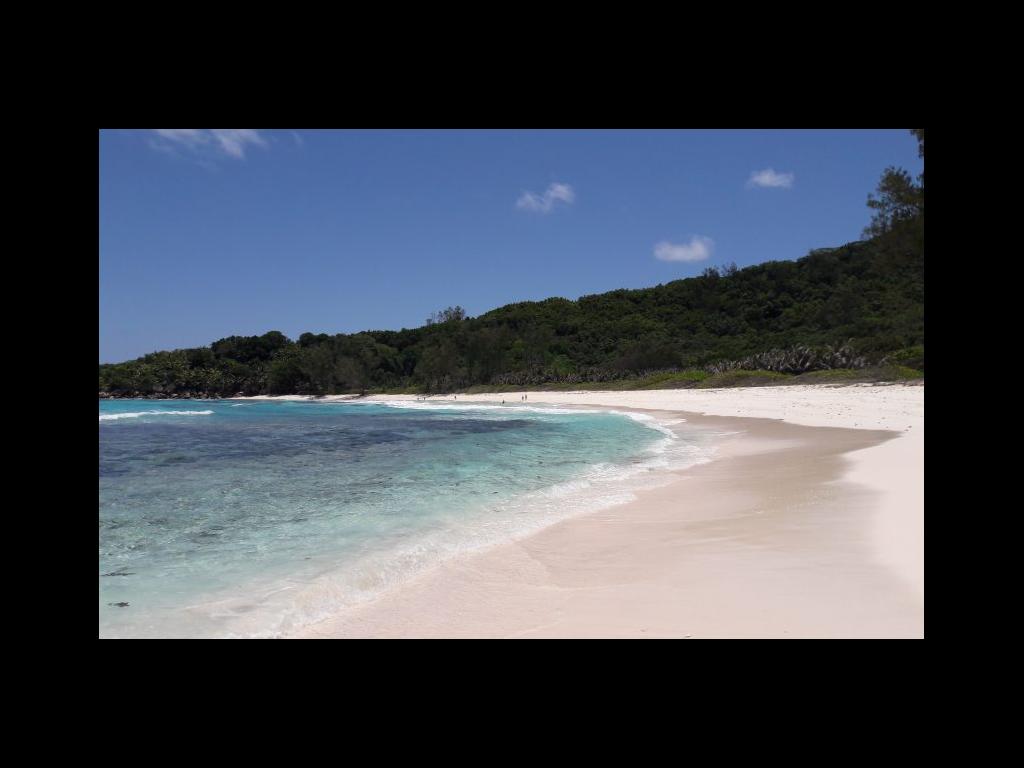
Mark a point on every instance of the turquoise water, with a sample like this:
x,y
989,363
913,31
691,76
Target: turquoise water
x,y
235,518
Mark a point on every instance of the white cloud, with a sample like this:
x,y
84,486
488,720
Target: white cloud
x,y
531,201
770,178
698,249
229,141
233,140
187,136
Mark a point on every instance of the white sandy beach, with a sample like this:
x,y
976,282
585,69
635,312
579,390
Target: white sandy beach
x,y
809,523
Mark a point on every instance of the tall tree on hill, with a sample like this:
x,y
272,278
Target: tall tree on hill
x,y
897,199
451,314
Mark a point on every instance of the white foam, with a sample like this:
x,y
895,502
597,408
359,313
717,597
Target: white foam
x,y
137,414
649,421
426,405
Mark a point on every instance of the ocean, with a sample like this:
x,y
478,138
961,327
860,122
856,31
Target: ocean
x,y
250,518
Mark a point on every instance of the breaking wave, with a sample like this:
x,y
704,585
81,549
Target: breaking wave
x,y
137,414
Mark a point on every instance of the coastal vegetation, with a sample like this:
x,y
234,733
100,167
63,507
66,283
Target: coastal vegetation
x,y
855,312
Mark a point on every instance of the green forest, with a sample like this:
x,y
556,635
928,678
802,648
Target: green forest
x,y
827,315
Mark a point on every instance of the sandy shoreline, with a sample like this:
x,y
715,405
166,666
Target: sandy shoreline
x,y
808,524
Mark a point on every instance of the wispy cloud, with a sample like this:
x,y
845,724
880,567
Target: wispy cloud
x,y
697,249
228,141
769,177
544,203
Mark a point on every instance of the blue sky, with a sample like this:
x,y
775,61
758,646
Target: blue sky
x,y
206,233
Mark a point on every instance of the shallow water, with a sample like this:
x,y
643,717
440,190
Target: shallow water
x,y
252,518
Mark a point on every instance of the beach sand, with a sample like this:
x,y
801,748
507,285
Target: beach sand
x,y
809,523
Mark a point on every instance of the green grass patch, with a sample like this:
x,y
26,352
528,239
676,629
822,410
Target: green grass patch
x,y
847,375
744,379
910,357
901,373
679,380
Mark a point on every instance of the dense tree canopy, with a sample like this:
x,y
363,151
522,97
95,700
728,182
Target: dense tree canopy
x,y
871,292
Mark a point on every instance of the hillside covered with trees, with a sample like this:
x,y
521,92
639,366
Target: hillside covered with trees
x,y
851,306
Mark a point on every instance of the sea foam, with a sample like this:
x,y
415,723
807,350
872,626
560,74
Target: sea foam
x,y
137,414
